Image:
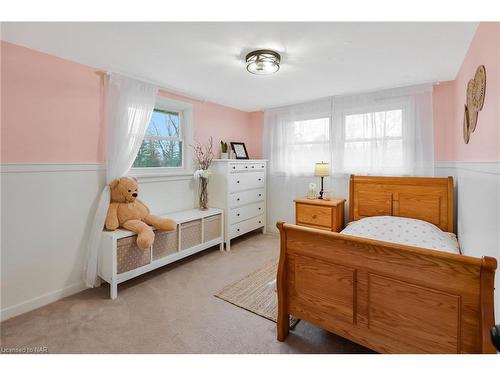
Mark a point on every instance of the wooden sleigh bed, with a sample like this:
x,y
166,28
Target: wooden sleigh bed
x,y
389,297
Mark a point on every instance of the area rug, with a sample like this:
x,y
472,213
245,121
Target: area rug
x,y
256,293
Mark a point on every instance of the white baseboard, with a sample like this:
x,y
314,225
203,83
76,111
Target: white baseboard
x,y
40,301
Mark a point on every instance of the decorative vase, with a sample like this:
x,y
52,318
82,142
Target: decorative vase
x,y
203,193
224,155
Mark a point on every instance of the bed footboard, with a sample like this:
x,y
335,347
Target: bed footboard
x,y
388,297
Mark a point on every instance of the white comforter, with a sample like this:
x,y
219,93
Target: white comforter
x,y
404,231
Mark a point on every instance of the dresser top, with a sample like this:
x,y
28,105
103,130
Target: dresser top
x,y
320,202
239,160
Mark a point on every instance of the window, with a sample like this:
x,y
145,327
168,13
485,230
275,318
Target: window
x,y
374,141
162,144
309,143
163,150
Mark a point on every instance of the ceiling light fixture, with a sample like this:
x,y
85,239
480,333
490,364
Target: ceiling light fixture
x,y
263,61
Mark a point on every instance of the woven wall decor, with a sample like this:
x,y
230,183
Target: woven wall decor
x,y
466,125
476,91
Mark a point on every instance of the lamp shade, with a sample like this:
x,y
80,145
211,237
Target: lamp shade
x,y
322,169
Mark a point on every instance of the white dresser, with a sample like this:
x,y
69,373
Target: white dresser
x,y
239,188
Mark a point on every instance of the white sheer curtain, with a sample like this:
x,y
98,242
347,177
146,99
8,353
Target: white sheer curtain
x,y
387,132
129,106
296,137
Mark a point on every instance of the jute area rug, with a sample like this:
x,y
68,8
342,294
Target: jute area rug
x,y
256,293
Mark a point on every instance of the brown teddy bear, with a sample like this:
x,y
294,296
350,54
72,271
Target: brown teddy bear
x,y
128,212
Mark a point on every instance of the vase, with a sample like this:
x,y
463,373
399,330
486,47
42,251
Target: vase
x,y
224,155
203,193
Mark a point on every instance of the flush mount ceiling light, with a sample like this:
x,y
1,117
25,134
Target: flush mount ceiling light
x,y
263,61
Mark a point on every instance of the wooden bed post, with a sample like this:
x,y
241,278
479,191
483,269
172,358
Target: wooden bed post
x,y
451,205
351,198
283,319
488,268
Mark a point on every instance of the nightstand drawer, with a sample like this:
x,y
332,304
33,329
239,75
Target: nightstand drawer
x,y
315,215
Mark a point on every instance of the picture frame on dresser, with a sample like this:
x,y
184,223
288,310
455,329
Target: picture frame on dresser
x,y
238,187
239,150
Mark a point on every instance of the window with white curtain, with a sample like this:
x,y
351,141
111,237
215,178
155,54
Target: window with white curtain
x,y
387,132
375,140
297,137
308,143
164,149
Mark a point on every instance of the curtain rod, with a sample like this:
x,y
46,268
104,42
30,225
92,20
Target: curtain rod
x,y
161,86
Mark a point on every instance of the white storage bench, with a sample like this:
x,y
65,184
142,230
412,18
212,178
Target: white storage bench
x,y
120,259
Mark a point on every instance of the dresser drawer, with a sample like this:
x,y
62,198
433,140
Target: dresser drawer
x,y
244,181
246,226
314,215
246,212
247,196
239,167
246,167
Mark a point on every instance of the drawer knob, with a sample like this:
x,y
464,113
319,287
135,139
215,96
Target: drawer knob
x,y
260,222
262,166
314,216
246,166
238,229
234,167
253,166
238,181
260,195
237,214
259,208
237,199
260,179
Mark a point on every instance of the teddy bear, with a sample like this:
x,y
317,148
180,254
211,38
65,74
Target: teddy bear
x,y
127,211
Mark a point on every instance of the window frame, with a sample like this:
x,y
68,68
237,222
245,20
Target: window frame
x,y
185,111
389,105
287,121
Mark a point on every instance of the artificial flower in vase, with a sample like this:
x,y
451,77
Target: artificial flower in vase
x,y
203,155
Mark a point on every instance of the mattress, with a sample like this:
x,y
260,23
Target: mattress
x,y
406,231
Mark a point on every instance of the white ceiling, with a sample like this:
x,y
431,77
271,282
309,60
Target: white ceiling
x,y
205,60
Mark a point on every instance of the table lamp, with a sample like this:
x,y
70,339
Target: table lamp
x,y
321,170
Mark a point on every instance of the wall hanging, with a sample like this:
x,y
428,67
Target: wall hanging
x,y
476,91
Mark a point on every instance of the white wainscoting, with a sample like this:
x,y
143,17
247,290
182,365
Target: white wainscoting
x,y
45,218
477,193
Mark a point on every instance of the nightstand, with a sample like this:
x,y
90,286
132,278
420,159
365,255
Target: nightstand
x,y
320,213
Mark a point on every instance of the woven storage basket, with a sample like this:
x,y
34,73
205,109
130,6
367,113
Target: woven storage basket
x,y
212,227
129,256
190,234
165,244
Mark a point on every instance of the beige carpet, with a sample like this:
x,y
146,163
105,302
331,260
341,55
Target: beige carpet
x,y
171,310
256,293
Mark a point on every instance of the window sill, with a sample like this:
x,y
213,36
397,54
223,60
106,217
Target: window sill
x,y
161,176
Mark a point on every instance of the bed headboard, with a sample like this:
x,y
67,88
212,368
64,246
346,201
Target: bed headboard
x,y
425,198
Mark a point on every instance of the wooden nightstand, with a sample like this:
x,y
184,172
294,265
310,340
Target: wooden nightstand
x,y
320,213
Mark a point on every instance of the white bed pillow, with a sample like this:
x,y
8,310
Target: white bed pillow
x,y
404,231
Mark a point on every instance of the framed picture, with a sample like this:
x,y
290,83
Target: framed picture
x,y
239,149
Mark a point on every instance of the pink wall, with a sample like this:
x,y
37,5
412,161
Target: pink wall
x,y
449,100
51,109
52,112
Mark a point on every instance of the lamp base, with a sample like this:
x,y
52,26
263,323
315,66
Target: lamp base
x,y
321,191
